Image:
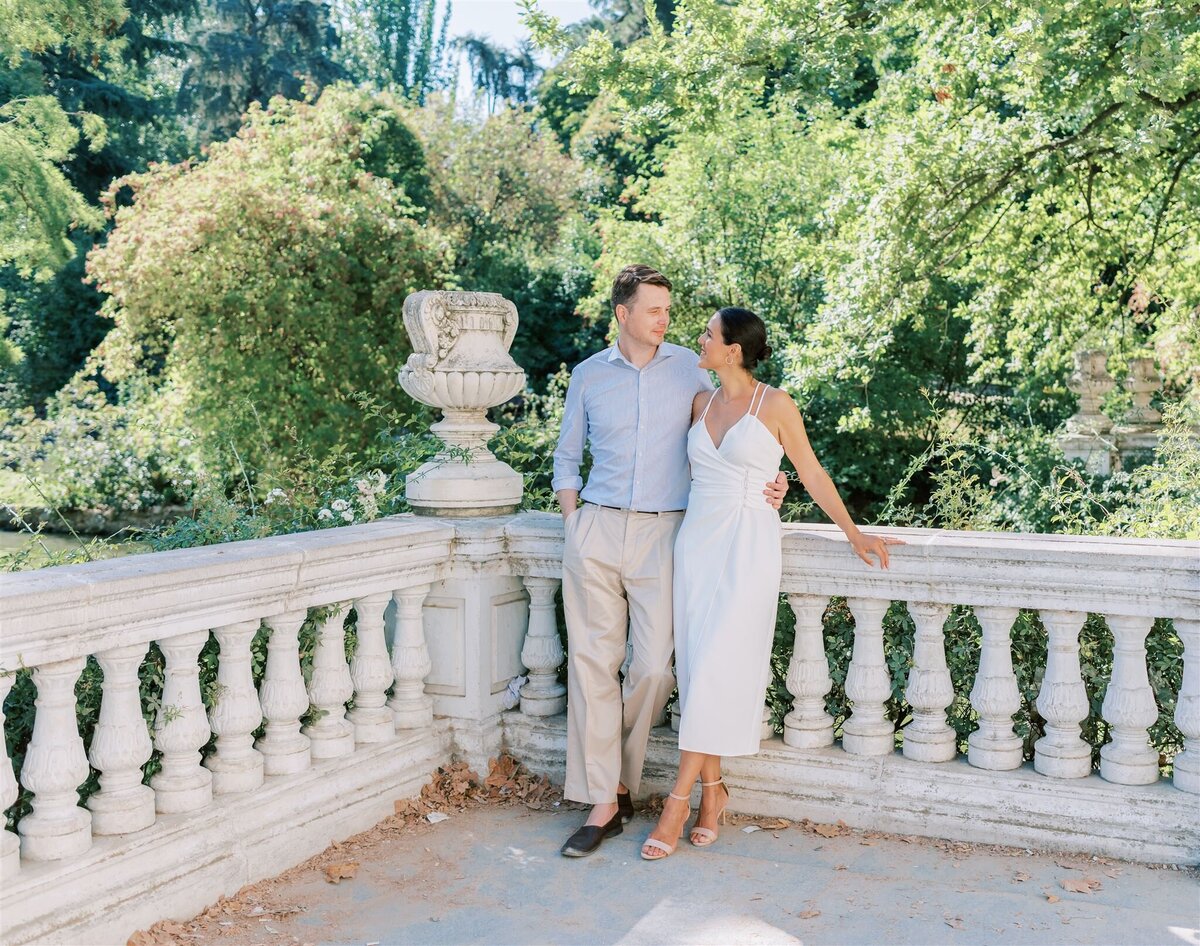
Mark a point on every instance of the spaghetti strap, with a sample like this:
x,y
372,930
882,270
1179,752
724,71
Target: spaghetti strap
x,y
754,410
704,413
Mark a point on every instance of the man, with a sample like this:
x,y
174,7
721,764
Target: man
x,y
633,403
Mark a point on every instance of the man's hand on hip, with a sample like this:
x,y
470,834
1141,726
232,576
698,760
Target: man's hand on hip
x,y
774,492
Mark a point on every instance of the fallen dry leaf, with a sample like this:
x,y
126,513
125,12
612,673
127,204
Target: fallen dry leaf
x,y
954,922
1020,877
808,914
1083,885
774,824
840,867
827,830
336,873
1050,898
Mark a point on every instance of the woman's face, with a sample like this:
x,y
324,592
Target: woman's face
x,y
714,353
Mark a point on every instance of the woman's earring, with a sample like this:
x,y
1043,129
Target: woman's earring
x,y
728,361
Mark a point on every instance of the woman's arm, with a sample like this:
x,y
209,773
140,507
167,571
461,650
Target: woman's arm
x,y
784,417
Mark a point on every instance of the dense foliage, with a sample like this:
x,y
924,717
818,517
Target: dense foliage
x,y
933,203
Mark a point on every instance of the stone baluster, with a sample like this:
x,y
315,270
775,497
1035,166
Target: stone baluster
x,y
808,726
1063,702
330,686
181,729
1086,435
410,661
928,738
995,745
371,671
55,766
767,731
283,698
236,765
10,844
542,653
1129,707
1187,707
868,731
1143,383
120,747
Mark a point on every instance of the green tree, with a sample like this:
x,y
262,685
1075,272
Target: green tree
x,y
934,199
261,288
396,44
500,75
248,51
505,201
125,83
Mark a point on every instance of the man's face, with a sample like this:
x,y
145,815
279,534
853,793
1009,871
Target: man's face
x,y
646,317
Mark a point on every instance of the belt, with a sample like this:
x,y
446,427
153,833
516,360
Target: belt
x,y
637,512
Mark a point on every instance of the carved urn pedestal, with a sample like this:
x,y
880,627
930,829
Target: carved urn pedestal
x,y
460,363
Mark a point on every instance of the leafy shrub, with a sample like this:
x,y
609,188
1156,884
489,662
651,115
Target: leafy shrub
x,y
260,287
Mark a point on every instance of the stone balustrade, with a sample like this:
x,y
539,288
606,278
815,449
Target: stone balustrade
x,y
448,611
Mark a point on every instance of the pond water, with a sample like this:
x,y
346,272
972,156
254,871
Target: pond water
x,y
13,542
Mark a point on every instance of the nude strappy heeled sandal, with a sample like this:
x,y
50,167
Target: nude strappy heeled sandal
x,y
667,849
703,837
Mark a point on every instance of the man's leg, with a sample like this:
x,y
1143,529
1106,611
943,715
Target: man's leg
x,y
597,618
647,572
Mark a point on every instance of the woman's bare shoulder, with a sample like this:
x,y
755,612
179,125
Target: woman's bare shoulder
x,y
779,404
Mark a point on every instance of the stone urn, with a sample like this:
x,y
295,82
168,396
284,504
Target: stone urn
x,y
460,364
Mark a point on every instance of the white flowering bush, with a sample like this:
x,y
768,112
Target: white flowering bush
x,y
91,453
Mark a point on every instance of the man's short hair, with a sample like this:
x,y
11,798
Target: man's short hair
x,y
625,286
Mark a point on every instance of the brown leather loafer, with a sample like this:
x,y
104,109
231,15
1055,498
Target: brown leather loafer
x,y
587,839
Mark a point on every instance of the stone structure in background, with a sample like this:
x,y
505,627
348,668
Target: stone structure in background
x,y
1137,436
460,364
1087,436
1092,437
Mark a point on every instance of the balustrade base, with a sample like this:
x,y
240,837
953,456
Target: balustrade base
x,y
45,839
1133,769
996,755
1062,762
183,863
374,724
330,743
543,705
285,758
869,743
806,734
1152,823
230,777
10,855
124,813
177,795
1186,775
929,746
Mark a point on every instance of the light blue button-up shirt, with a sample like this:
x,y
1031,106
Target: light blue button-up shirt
x,y
637,422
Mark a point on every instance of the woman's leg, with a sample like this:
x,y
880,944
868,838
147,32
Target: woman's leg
x,y
712,796
675,812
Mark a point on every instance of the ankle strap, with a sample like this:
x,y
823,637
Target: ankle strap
x,y
719,781
678,797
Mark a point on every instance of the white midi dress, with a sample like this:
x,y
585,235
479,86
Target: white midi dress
x,y
728,561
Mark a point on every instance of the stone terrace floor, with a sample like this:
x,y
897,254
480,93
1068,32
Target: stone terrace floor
x,y
493,875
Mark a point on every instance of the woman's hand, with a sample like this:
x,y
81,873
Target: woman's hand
x,y
867,545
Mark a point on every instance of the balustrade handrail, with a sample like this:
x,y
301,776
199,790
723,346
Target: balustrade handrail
x,y
1145,577
69,611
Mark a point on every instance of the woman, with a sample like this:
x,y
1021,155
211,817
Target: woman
x,y
727,567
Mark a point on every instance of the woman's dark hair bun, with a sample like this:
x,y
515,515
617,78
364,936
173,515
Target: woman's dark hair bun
x,y
743,327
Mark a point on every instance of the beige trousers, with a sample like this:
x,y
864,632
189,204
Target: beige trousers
x,y
616,584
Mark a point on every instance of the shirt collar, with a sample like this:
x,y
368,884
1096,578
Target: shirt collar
x,y
664,351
